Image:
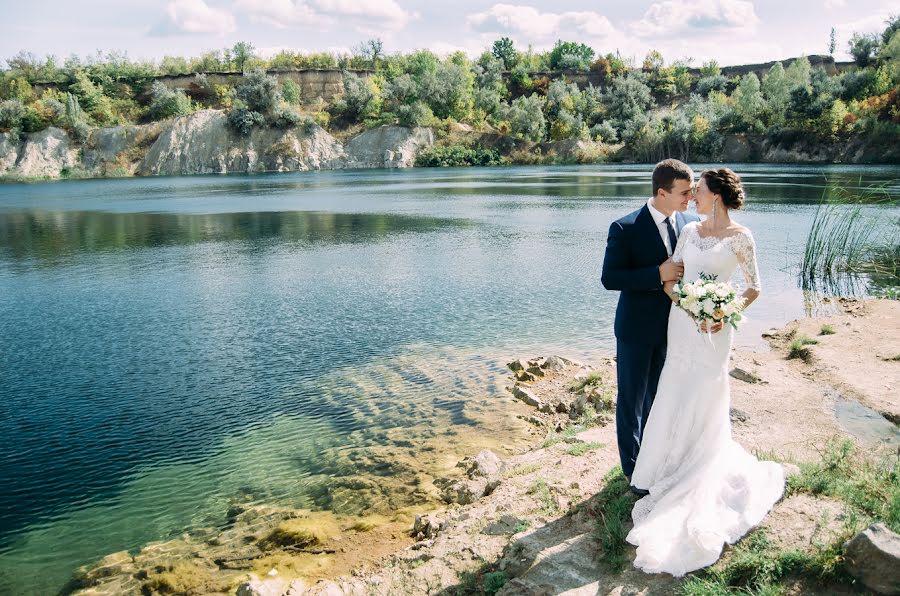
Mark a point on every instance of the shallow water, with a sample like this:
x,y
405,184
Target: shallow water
x,y
175,345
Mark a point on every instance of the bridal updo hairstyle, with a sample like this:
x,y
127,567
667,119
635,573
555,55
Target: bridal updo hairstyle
x,y
725,183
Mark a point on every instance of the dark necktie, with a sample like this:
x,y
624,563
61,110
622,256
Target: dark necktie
x,y
672,240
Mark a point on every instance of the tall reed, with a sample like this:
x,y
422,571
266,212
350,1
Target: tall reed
x,y
852,235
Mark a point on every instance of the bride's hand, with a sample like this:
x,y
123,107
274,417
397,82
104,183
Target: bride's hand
x,y
714,328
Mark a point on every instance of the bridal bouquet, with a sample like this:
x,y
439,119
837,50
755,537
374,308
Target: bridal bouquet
x,y
706,299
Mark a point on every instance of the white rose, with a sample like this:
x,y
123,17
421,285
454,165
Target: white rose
x,y
710,288
723,292
676,288
694,308
708,306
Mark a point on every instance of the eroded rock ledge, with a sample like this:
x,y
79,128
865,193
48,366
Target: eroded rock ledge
x,y
203,143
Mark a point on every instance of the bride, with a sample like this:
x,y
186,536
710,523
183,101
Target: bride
x,y
705,490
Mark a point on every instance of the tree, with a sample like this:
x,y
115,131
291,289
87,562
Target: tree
x,y
863,48
710,69
893,25
798,73
776,90
504,51
749,103
832,42
626,99
526,117
241,52
372,50
290,91
571,55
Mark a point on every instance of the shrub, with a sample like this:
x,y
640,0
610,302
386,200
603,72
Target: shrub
x,y
11,113
604,132
417,114
290,91
570,54
458,155
242,120
711,83
165,102
285,117
259,92
526,117
360,100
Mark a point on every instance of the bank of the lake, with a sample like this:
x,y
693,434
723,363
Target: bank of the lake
x,y
203,143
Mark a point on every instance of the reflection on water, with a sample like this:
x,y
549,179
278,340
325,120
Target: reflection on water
x,y
51,236
320,340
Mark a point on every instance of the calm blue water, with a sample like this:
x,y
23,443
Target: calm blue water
x,y
175,345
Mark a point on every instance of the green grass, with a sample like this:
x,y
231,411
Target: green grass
x,y
612,508
798,347
581,448
493,581
554,437
521,526
546,501
868,487
522,470
592,378
826,330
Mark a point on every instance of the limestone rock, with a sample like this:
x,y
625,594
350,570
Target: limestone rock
x,y
272,586
739,415
745,376
516,366
873,557
485,464
426,525
387,147
46,154
9,152
202,143
526,396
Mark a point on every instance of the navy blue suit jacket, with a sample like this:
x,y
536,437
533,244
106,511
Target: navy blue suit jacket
x,y
634,252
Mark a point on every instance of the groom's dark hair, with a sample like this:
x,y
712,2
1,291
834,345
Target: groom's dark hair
x,y
668,171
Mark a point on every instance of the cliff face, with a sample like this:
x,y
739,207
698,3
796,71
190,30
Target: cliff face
x,y
203,143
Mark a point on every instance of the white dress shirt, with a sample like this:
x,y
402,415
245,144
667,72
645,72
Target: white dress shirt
x,y
660,220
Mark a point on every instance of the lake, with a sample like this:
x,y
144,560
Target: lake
x,y
173,346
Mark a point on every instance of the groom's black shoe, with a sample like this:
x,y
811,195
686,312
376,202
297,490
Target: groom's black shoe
x,y
639,491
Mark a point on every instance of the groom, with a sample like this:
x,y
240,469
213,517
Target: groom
x,y
637,262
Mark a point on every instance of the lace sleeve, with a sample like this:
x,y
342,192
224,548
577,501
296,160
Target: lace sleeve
x,y
682,240
745,249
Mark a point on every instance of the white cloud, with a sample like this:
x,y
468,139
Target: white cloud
x,y
282,13
194,16
530,24
678,17
374,16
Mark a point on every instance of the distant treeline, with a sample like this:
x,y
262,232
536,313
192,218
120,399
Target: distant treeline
x,y
653,108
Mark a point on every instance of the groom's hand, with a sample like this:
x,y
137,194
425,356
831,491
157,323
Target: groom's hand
x,y
670,271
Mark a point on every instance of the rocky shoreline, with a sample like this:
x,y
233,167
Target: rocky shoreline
x,y
527,524
203,143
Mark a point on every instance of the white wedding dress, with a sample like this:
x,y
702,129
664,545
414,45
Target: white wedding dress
x,y
705,489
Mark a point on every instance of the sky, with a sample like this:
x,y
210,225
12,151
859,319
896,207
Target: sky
x,y
729,31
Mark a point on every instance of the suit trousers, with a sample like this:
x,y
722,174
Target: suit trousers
x,y
638,366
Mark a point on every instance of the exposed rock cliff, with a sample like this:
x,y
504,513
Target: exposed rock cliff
x,y
203,143
46,154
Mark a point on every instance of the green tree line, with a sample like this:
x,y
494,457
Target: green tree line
x,y
655,109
